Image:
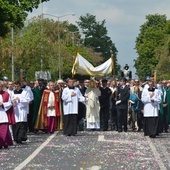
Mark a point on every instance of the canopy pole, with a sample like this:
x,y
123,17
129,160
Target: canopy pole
x,y
114,74
74,60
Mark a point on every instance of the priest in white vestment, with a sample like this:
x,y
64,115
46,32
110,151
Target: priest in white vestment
x,y
151,98
92,106
71,96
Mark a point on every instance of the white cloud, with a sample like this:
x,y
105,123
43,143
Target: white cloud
x,y
115,16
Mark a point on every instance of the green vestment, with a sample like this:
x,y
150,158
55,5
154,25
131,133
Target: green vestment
x,y
37,100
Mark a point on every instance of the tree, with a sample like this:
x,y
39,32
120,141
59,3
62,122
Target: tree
x,y
163,56
34,44
14,12
151,36
96,35
5,56
97,38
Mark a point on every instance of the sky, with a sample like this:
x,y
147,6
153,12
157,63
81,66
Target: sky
x,y
123,19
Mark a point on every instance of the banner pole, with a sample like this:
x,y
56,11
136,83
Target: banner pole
x,y
114,74
74,60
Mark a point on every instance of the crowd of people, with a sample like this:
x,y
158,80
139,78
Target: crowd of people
x,y
77,105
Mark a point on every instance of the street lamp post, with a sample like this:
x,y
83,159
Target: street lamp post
x,y
59,50
12,42
73,36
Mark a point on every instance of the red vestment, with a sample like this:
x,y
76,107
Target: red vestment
x,y
10,112
42,122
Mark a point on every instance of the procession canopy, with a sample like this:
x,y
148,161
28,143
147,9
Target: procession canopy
x,y
83,67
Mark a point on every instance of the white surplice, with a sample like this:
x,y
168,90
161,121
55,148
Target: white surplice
x,y
30,94
151,108
70,103
21,107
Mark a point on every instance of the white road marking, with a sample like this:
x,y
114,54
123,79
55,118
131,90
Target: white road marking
x,y
101,138
95,168
27,160
156,155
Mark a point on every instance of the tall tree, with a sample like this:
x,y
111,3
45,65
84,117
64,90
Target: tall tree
x,y
14,12
34,44
163,56
151,36
96,37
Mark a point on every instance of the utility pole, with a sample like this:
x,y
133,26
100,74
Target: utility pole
x,y
12,42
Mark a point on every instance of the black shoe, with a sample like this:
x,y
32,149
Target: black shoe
x,y
6,147
152,136
19,141
36,131
125,130
113,127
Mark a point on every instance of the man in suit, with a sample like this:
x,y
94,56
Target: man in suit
x,y
163,116
104,105
81,107
122,105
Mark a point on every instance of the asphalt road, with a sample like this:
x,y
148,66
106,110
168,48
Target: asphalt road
x,y
89,150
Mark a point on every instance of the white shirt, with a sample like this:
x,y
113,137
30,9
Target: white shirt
x,y
164,92
51,100
10,92
70,104
30,94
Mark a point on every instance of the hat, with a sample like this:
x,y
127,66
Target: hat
x,y
123,79
60,81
